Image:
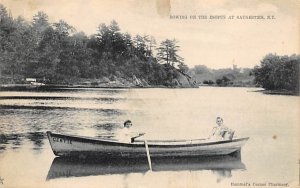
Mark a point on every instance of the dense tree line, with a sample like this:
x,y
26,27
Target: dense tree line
x,y
234,76
56,53
278,72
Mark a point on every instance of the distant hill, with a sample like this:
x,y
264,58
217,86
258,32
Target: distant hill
x,y
223,77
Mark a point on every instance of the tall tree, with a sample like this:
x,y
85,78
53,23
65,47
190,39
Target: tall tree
x,y
63,28
111,41
39,25
48,53
168,53
6,28
140,46
151,46
129,45
14,44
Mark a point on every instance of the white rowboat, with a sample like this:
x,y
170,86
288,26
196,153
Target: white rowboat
x,y
78,146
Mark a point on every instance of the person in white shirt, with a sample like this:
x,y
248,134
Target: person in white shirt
x,y
125,135
221,132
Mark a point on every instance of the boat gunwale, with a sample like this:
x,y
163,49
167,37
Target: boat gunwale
x,y
151,143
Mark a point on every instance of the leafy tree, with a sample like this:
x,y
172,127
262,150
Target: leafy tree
x,y
278,72
200,69
167,54
15,44
6,47
209,82
57,53
63,28
224,81
48,52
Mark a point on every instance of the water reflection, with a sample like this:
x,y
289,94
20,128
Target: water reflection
x,y
16,140
58,89
222,174
2,148
96,90
36,97
105,99
221,166
37,138
100,110
106,126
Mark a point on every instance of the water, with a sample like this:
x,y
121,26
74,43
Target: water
x,y
271,122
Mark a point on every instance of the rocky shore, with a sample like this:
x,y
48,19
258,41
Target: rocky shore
x,y
114,82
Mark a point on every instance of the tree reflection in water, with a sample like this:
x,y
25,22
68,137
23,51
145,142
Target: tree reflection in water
x,y
37,138
15,141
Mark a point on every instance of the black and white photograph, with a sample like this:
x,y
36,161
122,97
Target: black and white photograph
x,y
149,93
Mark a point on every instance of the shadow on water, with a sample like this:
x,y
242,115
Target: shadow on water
x,y
221,166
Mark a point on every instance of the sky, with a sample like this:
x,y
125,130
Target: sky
x,y
216,43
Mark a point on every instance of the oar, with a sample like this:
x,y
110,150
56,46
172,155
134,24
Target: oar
x,y
147,149
148,155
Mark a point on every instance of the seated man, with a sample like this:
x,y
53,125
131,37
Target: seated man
x,y
125,135
221,132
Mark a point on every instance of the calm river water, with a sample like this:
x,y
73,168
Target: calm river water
x,y
270,156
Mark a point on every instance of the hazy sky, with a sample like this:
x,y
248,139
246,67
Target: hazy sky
x,y
216,43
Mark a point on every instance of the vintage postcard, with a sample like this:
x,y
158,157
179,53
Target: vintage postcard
x,y
139,93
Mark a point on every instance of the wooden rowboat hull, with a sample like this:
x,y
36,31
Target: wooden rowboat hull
x,y
77,146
